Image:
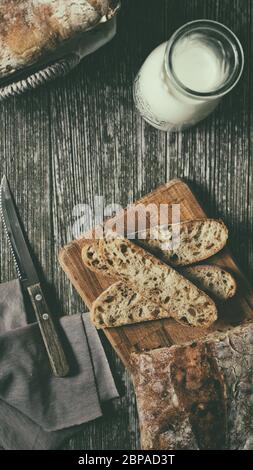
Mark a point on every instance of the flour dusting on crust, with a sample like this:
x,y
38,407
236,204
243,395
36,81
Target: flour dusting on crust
x,y
32,29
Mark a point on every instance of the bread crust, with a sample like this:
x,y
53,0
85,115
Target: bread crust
x,y
197,395
33,29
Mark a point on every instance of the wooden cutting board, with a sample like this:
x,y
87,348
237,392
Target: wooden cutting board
x,y
155,334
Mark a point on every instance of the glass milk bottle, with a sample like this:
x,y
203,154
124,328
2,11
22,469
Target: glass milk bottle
x,y
182,80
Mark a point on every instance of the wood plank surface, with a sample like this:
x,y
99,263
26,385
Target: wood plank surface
x,y
79,137
164,332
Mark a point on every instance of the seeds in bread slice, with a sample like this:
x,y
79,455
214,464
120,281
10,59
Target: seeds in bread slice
x,y
121,305
212,279
199,239
159,283
91,257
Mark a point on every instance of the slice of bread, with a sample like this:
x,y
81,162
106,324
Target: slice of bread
x,y
120,305
159,283
199,239
212,279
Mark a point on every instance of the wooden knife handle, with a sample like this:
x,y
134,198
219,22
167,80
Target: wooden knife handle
x,y
50,337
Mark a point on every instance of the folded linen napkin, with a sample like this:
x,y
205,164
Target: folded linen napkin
x,y
38,410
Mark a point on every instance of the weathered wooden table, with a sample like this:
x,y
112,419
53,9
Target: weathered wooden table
x,y
80,137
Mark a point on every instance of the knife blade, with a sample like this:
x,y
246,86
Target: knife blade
x,y
30,280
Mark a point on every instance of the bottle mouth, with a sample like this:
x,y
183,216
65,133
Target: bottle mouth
x,y
222,43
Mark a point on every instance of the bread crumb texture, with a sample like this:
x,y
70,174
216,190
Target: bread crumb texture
x,y
188,242
121,305
157,282
212,279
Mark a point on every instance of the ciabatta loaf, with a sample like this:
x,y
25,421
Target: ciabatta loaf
x,y
198,240
31,30
121,305
159,283
197,395
212,279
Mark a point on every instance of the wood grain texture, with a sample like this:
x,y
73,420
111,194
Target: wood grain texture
x,y
165,332
81,136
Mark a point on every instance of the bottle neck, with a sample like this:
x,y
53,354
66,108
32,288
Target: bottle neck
x,y
179,92
203,60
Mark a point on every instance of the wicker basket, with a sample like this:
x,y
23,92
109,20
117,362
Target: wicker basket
x,y
36,76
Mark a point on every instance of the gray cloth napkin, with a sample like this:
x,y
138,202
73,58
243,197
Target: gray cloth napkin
x,y
38,410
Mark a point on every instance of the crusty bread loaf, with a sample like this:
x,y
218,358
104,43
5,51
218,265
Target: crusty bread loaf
x,y
197,395
180,397
159,283
33,29
199,239
121,305
212,279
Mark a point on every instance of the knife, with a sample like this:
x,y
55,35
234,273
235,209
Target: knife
x,y
30,281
